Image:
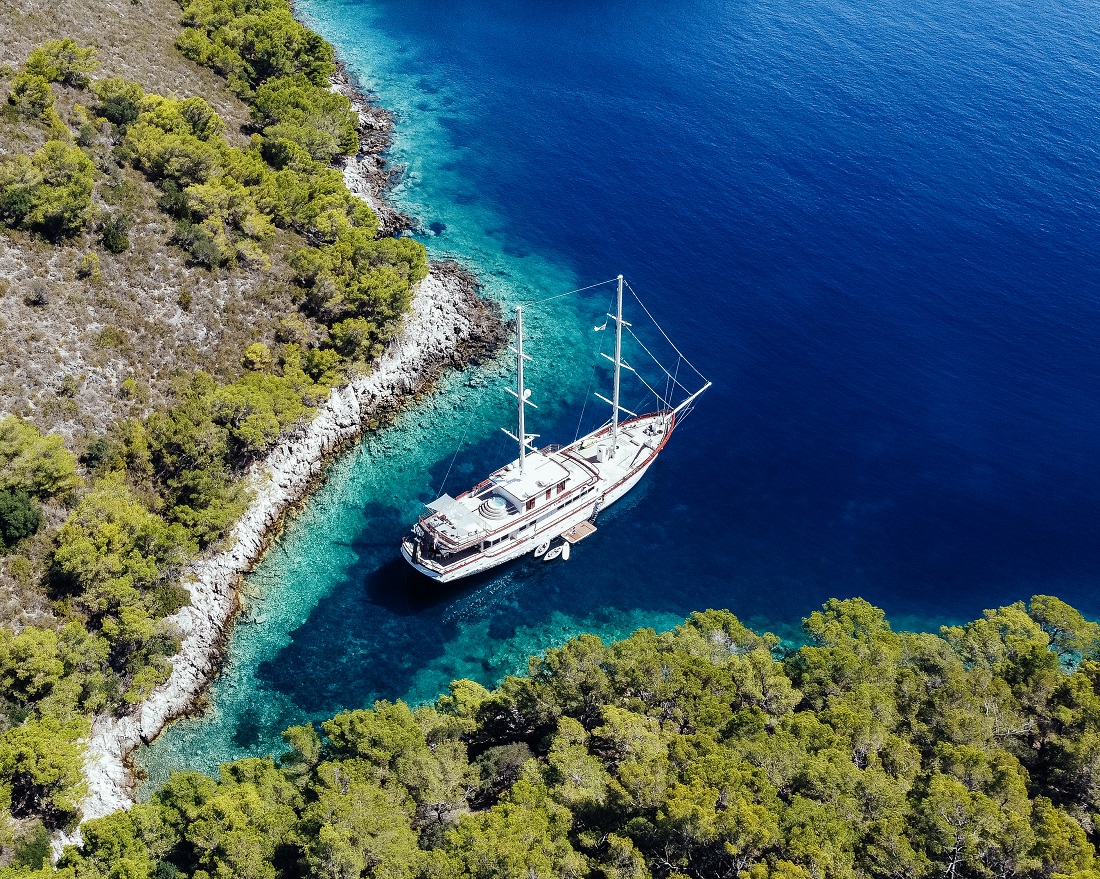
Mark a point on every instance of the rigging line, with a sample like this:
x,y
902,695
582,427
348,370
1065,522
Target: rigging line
x,y
587,396
659,364
663,333
454,457
570,293
668,384
652,391
580,420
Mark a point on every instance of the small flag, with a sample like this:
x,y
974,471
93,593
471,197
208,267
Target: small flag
x,y
599,329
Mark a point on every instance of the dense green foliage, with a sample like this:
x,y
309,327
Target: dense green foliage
x,y
282,70
39,465
116,564
19,516
192,452
705,752
162,488
252,41
294,109
228,202
49,192
113,233
62,61
31,95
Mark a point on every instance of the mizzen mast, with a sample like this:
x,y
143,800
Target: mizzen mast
x,y
521,393
618,367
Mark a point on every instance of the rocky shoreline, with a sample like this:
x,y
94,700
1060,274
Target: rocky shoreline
x,y
367,174
449,325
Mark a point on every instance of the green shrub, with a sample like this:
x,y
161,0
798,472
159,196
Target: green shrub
x,y
69,387
89,269
19,516
110,337
30,94
176,140
39,465
50,192
257,356
44,761
111,553
321,365
292,329
101,456
250,42
63,61
119,100
359,276
172,199
204,247
32,850
197,447
353,337
114,233
291,108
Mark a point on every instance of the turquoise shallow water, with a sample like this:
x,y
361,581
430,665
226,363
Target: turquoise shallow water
x,y
338,558
876,228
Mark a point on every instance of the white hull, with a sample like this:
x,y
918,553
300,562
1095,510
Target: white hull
x,y
545,492
618,481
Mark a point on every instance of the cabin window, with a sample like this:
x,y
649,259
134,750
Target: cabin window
x,y
549,493
531,504
561,487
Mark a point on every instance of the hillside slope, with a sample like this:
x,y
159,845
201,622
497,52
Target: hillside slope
x,y
185,281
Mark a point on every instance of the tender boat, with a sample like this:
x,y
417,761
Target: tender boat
x,y
549,492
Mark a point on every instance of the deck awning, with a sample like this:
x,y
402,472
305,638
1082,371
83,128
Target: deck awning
x,y
464,521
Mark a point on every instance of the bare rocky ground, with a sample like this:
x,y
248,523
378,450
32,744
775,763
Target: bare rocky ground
x,y
135,38
65,361
152,318
68,344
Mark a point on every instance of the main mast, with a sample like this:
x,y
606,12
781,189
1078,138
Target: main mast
x,y
519,384
618,367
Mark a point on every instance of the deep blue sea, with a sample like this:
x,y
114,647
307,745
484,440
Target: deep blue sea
x,y
875,227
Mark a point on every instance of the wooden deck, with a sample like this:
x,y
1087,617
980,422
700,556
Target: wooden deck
x,y
579,531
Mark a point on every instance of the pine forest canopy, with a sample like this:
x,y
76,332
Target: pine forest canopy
x,y
708,751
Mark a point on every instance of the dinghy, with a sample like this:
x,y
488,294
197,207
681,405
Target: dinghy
x,y
541,548
552,554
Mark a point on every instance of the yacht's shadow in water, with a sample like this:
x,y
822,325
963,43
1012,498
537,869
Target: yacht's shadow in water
x,y
403,590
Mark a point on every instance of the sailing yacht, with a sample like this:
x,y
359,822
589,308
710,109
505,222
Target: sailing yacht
x,y
546,493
